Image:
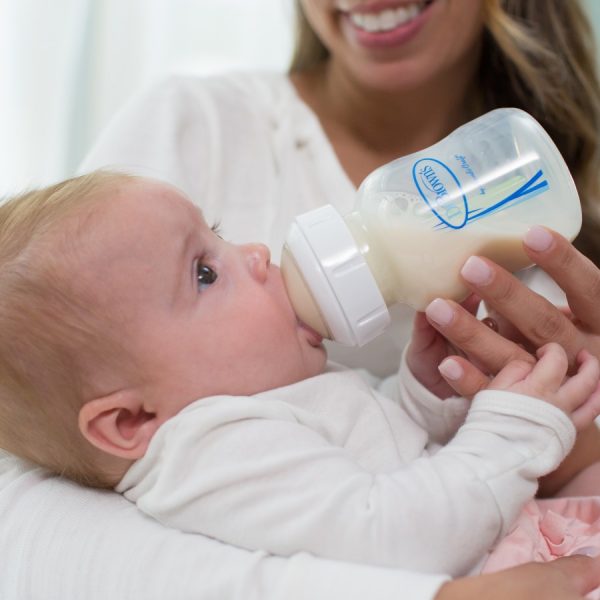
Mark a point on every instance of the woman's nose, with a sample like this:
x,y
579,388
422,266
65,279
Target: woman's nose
x,y
258,257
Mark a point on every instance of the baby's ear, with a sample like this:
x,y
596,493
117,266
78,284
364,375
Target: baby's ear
x,y
118,424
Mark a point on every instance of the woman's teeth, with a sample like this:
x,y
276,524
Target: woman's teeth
x,y
387,19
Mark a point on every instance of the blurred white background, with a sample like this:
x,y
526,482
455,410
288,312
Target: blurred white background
x,y
66,66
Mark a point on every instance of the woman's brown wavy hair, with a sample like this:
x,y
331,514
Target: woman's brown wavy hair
x,y
538,55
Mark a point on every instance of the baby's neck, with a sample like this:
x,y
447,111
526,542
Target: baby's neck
x,y
113,467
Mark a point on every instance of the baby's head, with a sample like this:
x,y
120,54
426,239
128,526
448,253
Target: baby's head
x,y
119,306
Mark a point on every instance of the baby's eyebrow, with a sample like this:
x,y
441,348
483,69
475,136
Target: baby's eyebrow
x,y
182,269
215,226
198,211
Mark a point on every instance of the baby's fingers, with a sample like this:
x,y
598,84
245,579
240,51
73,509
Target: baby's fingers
x,y
464,377
579,394
512,373
585,415
551,368
578,387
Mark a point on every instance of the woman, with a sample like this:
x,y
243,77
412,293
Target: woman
x,y
255,149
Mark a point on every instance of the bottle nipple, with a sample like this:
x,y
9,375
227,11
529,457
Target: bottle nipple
x,y
300,296
329,282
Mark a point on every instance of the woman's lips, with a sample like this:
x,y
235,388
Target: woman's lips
x,y
385,39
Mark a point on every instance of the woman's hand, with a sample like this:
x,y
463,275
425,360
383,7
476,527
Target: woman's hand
x,y
531,320
569,578
526,319
463,334
537,320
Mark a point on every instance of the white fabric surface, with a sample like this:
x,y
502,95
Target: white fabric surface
x,y
62,542
332,467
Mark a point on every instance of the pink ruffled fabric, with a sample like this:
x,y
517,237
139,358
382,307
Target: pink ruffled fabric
x,y
548,529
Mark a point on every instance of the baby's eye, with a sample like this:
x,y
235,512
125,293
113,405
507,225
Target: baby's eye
x,y
206,276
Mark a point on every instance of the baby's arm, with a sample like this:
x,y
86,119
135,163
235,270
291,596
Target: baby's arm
x,y
574,475
259,479
420,388
440,418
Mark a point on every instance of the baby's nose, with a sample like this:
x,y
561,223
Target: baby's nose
x,y
259,259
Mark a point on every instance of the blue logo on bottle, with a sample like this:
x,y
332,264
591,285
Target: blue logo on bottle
x,y
441,190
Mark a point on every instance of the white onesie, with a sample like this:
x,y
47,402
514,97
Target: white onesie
x,y
334,467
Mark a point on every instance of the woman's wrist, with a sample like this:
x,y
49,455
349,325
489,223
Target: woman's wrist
x,y
465,588
568,578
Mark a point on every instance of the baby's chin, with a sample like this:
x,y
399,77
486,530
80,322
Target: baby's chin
x,y
319,358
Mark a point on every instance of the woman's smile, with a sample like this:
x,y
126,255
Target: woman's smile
x,y
383,24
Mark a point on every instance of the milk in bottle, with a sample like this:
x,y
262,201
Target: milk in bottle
x,y
418,219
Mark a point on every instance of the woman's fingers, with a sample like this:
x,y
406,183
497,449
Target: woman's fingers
x,y
534,316
506,329
480,343
578,277
464,378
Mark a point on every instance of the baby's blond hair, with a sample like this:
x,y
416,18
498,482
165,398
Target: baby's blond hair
x,y
48,329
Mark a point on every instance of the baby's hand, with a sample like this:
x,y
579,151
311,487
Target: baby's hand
x,y
578,395
428,348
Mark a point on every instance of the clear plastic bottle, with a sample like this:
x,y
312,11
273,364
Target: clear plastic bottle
x,y
418,218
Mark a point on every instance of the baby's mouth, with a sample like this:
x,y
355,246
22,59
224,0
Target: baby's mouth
x,y
314,338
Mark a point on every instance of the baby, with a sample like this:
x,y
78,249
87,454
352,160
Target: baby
x,y
141,351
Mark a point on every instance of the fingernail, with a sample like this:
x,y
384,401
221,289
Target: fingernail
x,y
440,312
537,238
590,551
450,369
476,271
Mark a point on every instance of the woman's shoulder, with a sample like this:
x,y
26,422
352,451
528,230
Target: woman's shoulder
x,y
245,91
203,121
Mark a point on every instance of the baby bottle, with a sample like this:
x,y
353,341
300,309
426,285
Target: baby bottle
x,y
418,218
